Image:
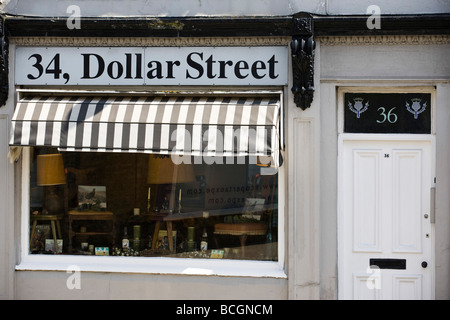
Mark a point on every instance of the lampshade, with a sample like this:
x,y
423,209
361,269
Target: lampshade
x,y
50,170
161,170
264,161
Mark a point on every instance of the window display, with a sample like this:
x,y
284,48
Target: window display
x,y
136,204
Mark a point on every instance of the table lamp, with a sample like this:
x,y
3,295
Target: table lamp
x,y
267,165
50,173
162,170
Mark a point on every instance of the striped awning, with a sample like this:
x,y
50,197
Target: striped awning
x,y
213,126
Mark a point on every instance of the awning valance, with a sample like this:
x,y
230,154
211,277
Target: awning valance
x,y
213,126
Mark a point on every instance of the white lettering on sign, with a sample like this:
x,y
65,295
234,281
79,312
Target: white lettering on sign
x,y
152,66
391,117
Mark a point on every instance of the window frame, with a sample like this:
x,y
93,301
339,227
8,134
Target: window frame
x,y
151,265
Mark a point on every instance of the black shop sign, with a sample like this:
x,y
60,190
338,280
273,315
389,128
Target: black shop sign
x,y
387,113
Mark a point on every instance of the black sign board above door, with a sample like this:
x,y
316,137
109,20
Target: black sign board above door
x,y
387,113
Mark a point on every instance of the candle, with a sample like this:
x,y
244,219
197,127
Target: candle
x,y
191,233
148,200
137,231
179,196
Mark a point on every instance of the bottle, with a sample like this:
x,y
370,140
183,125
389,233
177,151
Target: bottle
x,y
149,238
204,242
125,240
191,236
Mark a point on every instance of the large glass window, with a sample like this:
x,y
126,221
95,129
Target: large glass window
x,y
132,204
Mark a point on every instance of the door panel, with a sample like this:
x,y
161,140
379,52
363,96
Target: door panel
x,y
367,193
364,286
407,201
407,287
385,199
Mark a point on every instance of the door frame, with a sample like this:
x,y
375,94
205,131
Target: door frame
x,y
343,137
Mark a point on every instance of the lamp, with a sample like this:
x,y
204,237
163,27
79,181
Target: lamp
x,y
50,173
162,170
264,161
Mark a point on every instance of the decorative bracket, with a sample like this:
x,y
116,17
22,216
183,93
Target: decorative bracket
x,y
302,50
4,81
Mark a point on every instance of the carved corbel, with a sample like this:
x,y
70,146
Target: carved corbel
x,y
4,81
302,50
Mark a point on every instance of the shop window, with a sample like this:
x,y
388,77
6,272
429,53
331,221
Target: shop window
x,y
136,204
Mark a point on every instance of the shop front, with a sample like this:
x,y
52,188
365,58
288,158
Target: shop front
x,y
224,157
150,160
110,168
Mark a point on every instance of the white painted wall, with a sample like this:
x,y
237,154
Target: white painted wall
x,y
366,64
442,225
6,216
7,204
386,61
104,286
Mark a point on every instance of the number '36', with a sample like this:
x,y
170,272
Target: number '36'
x,y
391,117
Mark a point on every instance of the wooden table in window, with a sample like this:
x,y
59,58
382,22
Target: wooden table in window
x,y
55,225
75,215
159,219
168,218
242,230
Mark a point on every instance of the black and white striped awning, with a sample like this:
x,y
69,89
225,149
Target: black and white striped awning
x,y
225,126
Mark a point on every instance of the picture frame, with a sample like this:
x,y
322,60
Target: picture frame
x,y
254,204
163,240
253,208
38,238
92,197
102,251
50,245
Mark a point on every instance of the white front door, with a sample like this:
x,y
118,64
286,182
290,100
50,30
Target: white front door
x,y
385,233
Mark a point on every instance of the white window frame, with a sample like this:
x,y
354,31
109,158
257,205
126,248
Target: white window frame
x,y
151,265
